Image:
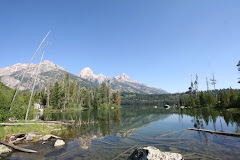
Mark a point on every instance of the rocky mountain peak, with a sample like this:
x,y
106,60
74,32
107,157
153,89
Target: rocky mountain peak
x,y
86,73
123,75
48,62
49,65
124,78
11,75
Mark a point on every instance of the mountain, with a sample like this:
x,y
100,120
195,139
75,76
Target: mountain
x,y
122,82
11,76
48,71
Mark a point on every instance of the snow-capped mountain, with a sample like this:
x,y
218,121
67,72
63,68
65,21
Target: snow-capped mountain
x,y
48,71
122,82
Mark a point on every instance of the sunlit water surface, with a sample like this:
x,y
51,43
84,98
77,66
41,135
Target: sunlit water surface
x,y
114,134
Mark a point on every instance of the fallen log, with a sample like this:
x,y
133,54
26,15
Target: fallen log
x,y
17,148
15,124
23,124
215,132
17,140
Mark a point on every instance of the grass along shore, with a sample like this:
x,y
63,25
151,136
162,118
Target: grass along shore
x,y
6,131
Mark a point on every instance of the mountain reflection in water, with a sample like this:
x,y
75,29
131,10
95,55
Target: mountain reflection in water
x,y
105,134
96,124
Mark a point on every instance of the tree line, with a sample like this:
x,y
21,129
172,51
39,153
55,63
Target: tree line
x,y
62,94
149,99
65,94
223,98
19,106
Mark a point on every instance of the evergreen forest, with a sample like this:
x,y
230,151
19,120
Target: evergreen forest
x,y
63,94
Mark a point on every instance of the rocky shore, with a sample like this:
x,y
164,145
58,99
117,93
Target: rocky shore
x,y
26,137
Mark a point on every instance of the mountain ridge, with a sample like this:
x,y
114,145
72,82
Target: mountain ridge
x,y
11,77
128,84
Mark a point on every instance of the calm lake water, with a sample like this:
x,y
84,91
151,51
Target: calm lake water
x,y
110,134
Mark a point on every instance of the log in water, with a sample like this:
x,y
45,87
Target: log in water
x,y
215,132
18,148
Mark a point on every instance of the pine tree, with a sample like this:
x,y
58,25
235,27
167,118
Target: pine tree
x,y
55,96
103,90
202,99
96,99
210,99
109,94
223,99
87,101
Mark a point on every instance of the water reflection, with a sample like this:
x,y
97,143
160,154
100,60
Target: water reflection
x,y
105,134
96,124
220,119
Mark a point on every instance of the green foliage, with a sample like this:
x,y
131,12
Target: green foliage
x,y
149,99
114,106
4,104
226,98
103,91
55,96
211,101
87,99
43,129
19,106
104,106
202,99
63,94
96,99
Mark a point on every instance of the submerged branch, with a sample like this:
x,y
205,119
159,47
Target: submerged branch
x,y
215,132
17,148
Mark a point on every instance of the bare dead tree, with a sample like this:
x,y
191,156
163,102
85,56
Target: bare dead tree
x,y
26,117
213,82
207,84
26,70
196,85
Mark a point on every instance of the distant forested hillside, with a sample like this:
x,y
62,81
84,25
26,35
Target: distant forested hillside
x,y
149,99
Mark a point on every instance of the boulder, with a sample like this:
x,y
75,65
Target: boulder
x,y
45,138
59,142
4,149
48,136
31,136
12,138
152,153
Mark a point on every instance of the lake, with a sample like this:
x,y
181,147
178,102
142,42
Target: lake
x,y
114,134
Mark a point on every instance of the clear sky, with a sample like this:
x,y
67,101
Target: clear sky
x,y
156,42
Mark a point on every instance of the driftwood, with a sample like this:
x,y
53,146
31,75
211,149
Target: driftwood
x,y
57,122
18,139
53,136
16,124
215,132
124,152
23,124
17,148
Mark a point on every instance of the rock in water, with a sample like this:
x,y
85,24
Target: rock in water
x,y
152,153
45,138
31,136
4,149
59,142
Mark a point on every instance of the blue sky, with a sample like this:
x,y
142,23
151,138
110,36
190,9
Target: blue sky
x,y
157,42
